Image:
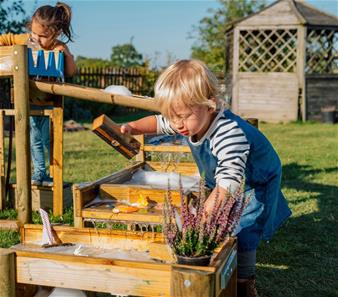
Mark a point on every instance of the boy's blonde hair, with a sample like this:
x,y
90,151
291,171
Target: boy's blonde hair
x,y
189,82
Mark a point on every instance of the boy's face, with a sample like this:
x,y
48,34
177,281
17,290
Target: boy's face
x,y
43,35
191,121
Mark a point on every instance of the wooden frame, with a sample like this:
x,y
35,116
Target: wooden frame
x,y
113,187
37,266
25,88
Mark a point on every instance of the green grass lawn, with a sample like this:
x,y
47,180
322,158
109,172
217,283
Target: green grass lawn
x,y
302,258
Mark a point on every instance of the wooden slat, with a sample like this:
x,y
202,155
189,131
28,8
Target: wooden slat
x,y
12,225
167,148
133,192
155,216
103,238
108,278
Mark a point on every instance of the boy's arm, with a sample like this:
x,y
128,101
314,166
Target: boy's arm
x,y
146,125
210,202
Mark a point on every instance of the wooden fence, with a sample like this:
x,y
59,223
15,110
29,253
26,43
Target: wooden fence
x,y
132,78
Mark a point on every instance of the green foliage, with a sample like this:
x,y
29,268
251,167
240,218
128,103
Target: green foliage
x,y
9,238
126,56
210,44
92,62
12,17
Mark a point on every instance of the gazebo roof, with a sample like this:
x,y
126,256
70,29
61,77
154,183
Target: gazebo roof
x,y
314,16
288,12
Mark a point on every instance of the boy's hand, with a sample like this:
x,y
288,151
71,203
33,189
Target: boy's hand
x,y
126,129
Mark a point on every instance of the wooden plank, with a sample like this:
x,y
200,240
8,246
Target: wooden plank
x,y
32,234
154,216
22,142
7,273
12,225
110,132
133,192
96,95
108,278
186,168
167,148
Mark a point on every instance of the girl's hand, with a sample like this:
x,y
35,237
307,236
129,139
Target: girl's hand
x,y
63,48
126,129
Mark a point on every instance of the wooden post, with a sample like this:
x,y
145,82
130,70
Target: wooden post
x,y
57,157
7,273
140,157
301,64
2,162
235,74
22,143
193,283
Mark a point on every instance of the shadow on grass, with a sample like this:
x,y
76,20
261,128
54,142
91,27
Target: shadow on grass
x,y
302,258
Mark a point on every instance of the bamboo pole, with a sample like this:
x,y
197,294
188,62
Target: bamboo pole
x,y
96,95
22,142
7,273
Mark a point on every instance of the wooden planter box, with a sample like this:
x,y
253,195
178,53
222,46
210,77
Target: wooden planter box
x,y
156,275
113,187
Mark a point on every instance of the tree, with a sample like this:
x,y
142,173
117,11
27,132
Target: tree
x,y
12,17
210,44
126,56
92,62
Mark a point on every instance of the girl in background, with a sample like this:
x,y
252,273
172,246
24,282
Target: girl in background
x,y
48,23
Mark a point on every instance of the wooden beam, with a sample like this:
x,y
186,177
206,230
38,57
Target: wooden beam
x,y
96,95
11,225
7,273
22,141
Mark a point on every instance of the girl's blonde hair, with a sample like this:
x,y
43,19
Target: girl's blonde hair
x,y
56,18
189,82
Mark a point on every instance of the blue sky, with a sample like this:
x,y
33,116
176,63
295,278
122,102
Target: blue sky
x,y
159,29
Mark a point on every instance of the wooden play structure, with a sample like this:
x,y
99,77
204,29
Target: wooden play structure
x,y
282,62
24,89
113,187
130,262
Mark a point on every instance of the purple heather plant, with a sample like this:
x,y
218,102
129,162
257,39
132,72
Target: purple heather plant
x,y
193,233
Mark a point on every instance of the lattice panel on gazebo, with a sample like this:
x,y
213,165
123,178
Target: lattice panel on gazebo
x,y
322,52
268,50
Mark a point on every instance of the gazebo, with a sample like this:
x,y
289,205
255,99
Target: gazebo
x,y
282,62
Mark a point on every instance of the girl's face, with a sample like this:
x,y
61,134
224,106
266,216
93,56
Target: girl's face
x,y
43,35
191,121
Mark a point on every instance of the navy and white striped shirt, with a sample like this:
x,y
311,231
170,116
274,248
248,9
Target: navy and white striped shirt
x,y
228,144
